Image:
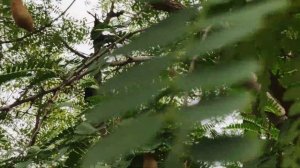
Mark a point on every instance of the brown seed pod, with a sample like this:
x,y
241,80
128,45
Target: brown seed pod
x,y
149,161
21,15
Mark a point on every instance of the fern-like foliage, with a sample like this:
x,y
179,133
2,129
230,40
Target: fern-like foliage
x,y
138,85
218,52
256,125
45,69
289,138
273,106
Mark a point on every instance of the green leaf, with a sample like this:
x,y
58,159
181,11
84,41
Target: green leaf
x,y
219,107
85,128
131,92
163,33
34,150
140,75
23,164
227,149
295,109
238,26
264,162
206,110
292,79
42,69
14,75
228,74
292,94
119,104
131,134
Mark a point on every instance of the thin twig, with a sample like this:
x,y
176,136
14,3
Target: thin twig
x,y
41,28
77,75
42,93
205,32
40,119
78,53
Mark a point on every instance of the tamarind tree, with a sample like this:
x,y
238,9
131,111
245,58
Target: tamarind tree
x,y
166,83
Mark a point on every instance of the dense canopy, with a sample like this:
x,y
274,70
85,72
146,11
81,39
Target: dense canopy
x,y
150,83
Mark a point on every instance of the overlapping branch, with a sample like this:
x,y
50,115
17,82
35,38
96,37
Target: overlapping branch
x,y
130,60
75,76
78,53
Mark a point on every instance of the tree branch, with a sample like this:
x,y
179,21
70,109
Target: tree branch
x,y
77,75
44,92
129,60
111,14
80,54
40,119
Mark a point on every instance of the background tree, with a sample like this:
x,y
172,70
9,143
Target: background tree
x,y
168,84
